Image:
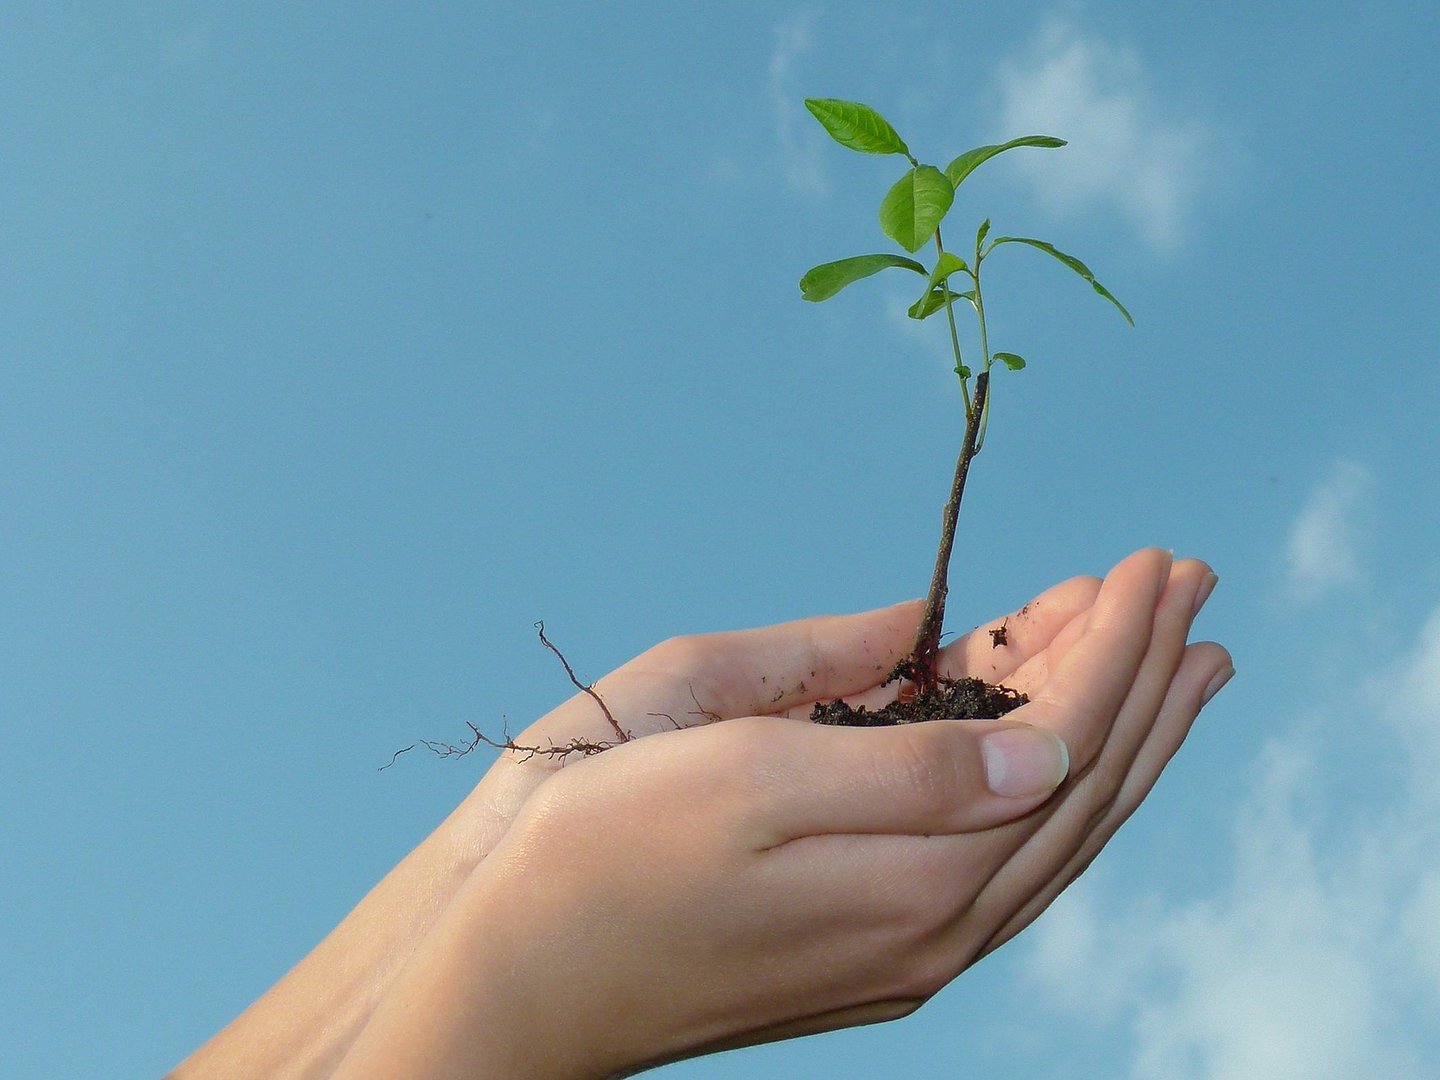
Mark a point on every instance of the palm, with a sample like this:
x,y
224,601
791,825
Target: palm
x,y
777,671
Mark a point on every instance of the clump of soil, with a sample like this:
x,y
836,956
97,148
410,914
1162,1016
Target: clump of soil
x,y
952,699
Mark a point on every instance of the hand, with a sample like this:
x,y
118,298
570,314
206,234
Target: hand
x,y
764,878
779,670
306,1023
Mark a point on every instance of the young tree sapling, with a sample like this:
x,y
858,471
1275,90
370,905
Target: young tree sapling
x,y
910,214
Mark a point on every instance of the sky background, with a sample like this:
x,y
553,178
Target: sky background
x,y
341,342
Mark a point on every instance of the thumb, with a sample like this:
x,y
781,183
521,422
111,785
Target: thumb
x,y
931,778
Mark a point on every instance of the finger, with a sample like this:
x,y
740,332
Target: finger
x,y
1204,670
1036,670
1081,699
1100,773
995,650
1064,841
923,779
1179,581
757,672
1202,667
1034,625
697,679
1174,615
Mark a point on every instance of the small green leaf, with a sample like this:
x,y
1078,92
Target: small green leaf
x,y
969,161
963,371
981,233
948,263
935,299
857,126
914,207
1010,360
1070,261
824,281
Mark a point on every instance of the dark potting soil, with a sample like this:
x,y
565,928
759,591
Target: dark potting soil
x,y
953,699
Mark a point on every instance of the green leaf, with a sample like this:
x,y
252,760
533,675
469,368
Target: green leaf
x,y
1070,261
981,233
935,299
827,279
962,371
914,207
1010,360
857,126
971,160
948,263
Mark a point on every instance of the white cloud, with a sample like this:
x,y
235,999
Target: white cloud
x,y
1418,673
1321,553
799,143
1274,976
1317,953
1068,945
799,148
1410,687
1128,150
1420,932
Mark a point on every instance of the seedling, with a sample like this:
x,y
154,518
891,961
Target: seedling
x,y
910,214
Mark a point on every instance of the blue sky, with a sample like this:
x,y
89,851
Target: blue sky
x,y
340,343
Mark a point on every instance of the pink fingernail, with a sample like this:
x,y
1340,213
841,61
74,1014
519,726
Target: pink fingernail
x,y
1023,761
1216,684
1207,586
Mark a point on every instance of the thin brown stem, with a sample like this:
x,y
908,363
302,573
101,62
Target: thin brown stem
x,y
924,662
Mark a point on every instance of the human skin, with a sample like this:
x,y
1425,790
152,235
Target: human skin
x,y
750,877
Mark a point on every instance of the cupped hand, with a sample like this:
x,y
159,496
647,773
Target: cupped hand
x,y
780,670
763,878
308,1020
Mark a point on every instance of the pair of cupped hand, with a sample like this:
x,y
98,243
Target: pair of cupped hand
x,y
735,874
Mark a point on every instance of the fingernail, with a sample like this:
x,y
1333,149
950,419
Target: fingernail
x,y
1213,687
1169,564
1023,761
1207,586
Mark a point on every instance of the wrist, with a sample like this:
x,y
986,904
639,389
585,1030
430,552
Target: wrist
x,y
487,991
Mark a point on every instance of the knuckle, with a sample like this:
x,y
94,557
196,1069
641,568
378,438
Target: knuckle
x,y
898,1008
683,654
1105,777
744,747
924,976
929,771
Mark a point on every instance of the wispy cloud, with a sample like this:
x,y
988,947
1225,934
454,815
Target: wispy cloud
x,y
1321,553
1412,686
799,148
1130,150
1317,954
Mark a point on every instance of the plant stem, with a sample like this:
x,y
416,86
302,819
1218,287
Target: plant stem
x,y
984,349
955,344
925,656
954,334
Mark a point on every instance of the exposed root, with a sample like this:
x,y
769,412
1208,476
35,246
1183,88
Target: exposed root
x,y
478,738
583,747
620,733
700,710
